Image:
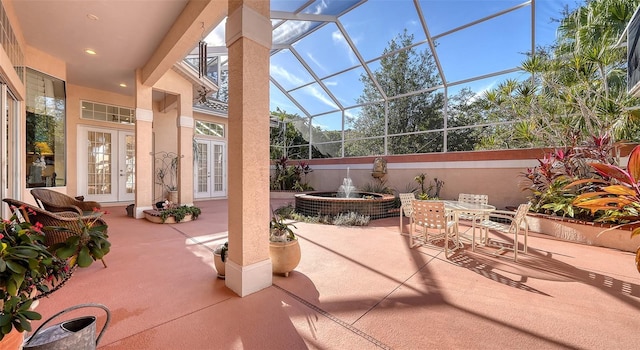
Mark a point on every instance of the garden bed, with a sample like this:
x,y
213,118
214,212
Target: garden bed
x,y
590,233
155,216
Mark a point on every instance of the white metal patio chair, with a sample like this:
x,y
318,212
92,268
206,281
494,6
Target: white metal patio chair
x,y
515,223
406,208
471,198
431,215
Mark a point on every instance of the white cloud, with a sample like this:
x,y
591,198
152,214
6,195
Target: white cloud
x,y
320,8
280,73
481,91
217,35
339,40
320,96
315,61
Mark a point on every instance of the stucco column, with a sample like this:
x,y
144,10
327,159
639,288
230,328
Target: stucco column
x,y
185,166
248,40
144,147
185,150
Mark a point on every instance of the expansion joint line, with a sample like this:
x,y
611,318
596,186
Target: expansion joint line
x,y
191,238
333,318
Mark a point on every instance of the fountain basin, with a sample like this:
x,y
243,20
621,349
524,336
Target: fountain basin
x,y
374,205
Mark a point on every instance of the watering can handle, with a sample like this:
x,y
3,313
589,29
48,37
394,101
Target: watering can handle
x,y
75,307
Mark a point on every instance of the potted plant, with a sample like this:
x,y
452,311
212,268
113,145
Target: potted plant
x,y
167,174
284,248
172,194
90,245
170,213
30,270
220,257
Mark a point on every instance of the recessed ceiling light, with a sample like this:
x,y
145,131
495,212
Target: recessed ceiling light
x,y
90,51
92,17
123,85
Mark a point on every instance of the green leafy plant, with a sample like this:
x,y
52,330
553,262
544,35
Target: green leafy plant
x,y
377,186
427,188
223,250
280,230
91,245
290,176
28,270
178,212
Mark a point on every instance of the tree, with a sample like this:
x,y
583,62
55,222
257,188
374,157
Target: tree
x,y
464,109
578,85
292,134
402,71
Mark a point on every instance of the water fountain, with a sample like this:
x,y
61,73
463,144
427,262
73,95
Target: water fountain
x,y
346,199
347,190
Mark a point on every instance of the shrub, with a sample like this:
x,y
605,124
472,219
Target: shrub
x,y
351,219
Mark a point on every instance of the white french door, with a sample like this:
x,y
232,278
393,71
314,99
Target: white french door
x,y
210,175
106,164
10,172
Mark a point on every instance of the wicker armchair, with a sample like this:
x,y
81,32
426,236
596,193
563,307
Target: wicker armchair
x,y
53,201
71,221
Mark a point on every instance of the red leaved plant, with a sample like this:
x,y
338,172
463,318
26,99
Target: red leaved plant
x,y
618,192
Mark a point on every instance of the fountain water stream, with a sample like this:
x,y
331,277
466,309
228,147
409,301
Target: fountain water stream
x,y
347,190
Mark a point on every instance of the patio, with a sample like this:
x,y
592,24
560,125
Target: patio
x,y
355,288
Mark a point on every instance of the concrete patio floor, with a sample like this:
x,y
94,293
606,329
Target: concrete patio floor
x,y
355,288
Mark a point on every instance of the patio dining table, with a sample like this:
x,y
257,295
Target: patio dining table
x,y
473,209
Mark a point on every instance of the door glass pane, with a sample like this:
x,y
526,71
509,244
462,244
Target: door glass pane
x,y
203,154
130,163
99,162
217,167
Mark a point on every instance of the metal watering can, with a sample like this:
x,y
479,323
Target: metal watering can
x,y
77,334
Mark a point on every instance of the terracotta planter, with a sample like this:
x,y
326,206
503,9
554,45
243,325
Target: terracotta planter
x,y
584,232
154,216
285,256
638,259
172,196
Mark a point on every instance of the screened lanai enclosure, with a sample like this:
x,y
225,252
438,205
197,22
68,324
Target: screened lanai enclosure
x,y
385,77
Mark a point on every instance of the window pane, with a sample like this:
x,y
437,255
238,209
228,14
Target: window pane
x,y
45,130
209,128
108,113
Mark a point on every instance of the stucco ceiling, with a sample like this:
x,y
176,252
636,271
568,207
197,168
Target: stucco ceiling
x,y
124,34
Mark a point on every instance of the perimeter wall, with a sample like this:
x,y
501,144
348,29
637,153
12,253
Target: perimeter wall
x,y
495,173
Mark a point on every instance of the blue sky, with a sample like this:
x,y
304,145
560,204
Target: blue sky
x,y
491,46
